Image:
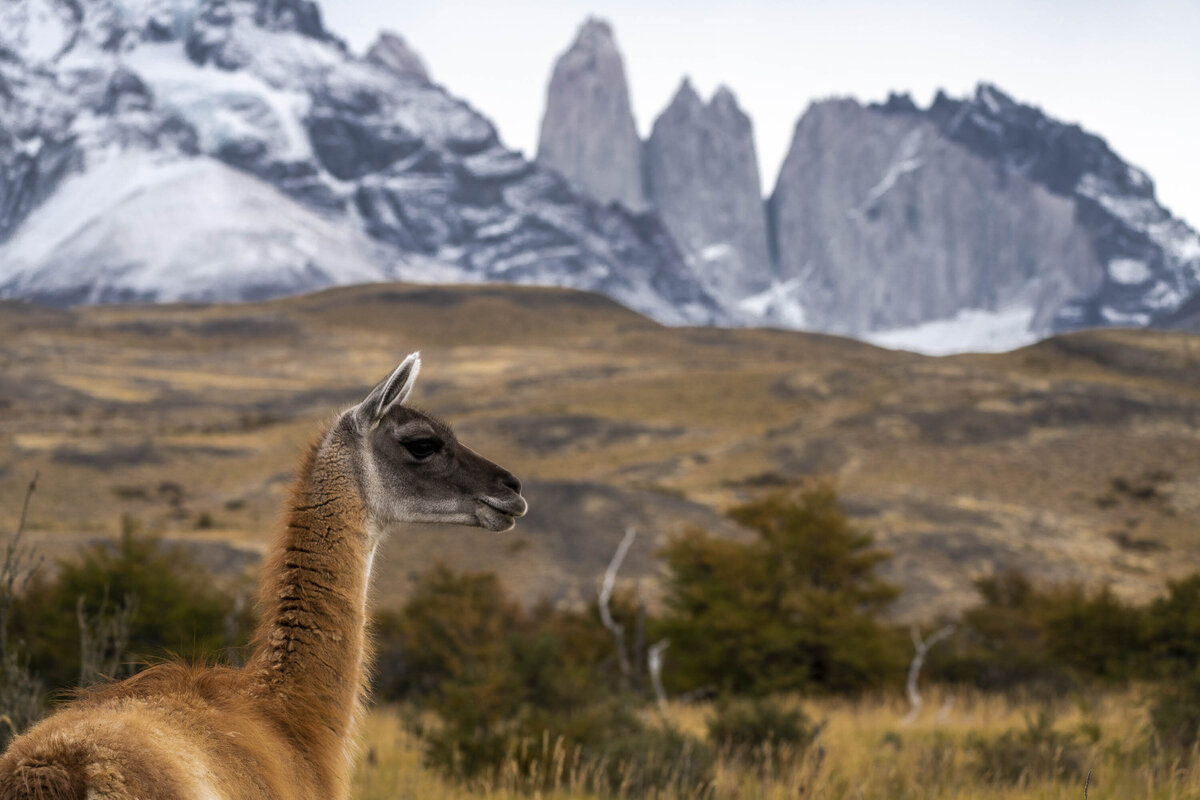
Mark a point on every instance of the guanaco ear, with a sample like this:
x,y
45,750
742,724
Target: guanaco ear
x,y
394,390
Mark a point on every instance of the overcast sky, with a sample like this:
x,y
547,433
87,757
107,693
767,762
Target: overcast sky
x,y
1128,71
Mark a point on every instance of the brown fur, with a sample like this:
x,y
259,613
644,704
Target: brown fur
x,y
279,728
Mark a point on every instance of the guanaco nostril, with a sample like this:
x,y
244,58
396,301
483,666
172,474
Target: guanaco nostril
x,y
511,481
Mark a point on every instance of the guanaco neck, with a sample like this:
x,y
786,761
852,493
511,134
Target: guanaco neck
x,y
309,654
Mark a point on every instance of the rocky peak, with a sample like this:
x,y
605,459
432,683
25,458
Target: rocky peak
x,y
391,52
888,224
1149,259
702,178
588,132
685,101
301,16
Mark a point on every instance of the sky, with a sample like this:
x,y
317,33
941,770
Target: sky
x,y
1128,71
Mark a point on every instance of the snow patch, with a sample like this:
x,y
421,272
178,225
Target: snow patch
x,y
906,161
780,305
971,330
1129,271
37,30
1115,316
143,227
215,101
717,252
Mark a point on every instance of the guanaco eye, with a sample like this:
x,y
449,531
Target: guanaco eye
x,y
422,448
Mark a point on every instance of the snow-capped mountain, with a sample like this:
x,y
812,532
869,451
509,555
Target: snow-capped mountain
x,y
975,224
231,149
979,223
1149,259
155,150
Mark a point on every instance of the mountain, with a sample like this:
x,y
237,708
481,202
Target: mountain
x,y
887,224
391,51
1150,260
973,224
981,219
214,150
588,133
702,178
234,149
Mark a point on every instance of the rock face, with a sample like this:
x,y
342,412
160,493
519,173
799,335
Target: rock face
x,y
702,179
140,131
887,223
1148,260
393,53
588,133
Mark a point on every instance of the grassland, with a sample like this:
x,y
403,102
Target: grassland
x,y
1074,460
866,751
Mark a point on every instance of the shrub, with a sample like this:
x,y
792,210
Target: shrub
x,y
795,608
1048,639
1174,629
1038,752
602,748
182,612
760,732
1175,713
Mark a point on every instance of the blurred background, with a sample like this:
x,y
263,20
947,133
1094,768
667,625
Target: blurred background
x,y
865,336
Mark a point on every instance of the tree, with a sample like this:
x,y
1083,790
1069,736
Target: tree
x,y
797,607
182,612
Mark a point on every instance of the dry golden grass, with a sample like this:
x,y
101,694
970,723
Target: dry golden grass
x,y
866,753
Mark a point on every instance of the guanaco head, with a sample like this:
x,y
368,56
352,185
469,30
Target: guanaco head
x,y
415,470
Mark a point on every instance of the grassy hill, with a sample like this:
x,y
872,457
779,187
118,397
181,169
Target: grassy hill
x,y
1075,459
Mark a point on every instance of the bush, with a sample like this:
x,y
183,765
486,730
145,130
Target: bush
x,y
759,732
505,683
182,612
1175,713
795,608
1174,630
602,748
1048,639
1037,753
657,760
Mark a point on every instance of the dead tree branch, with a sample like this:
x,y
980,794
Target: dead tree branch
x,y
20,692
17,570
654,663
605,599
914,670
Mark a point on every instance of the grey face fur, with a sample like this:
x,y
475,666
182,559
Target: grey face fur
x,y
415,470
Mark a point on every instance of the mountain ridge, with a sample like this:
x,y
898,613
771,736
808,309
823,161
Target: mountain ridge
x,y
415,179
975,223
1012,226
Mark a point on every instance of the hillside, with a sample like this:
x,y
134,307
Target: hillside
x,y
1075,459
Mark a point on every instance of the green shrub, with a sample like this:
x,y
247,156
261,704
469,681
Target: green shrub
x,y
1174,630
181,612
760,731
602,748
1045,639
1175,713
796,608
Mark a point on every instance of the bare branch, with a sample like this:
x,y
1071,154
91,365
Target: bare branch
x,y
606,592
17,570
914,670
20,692
654,662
